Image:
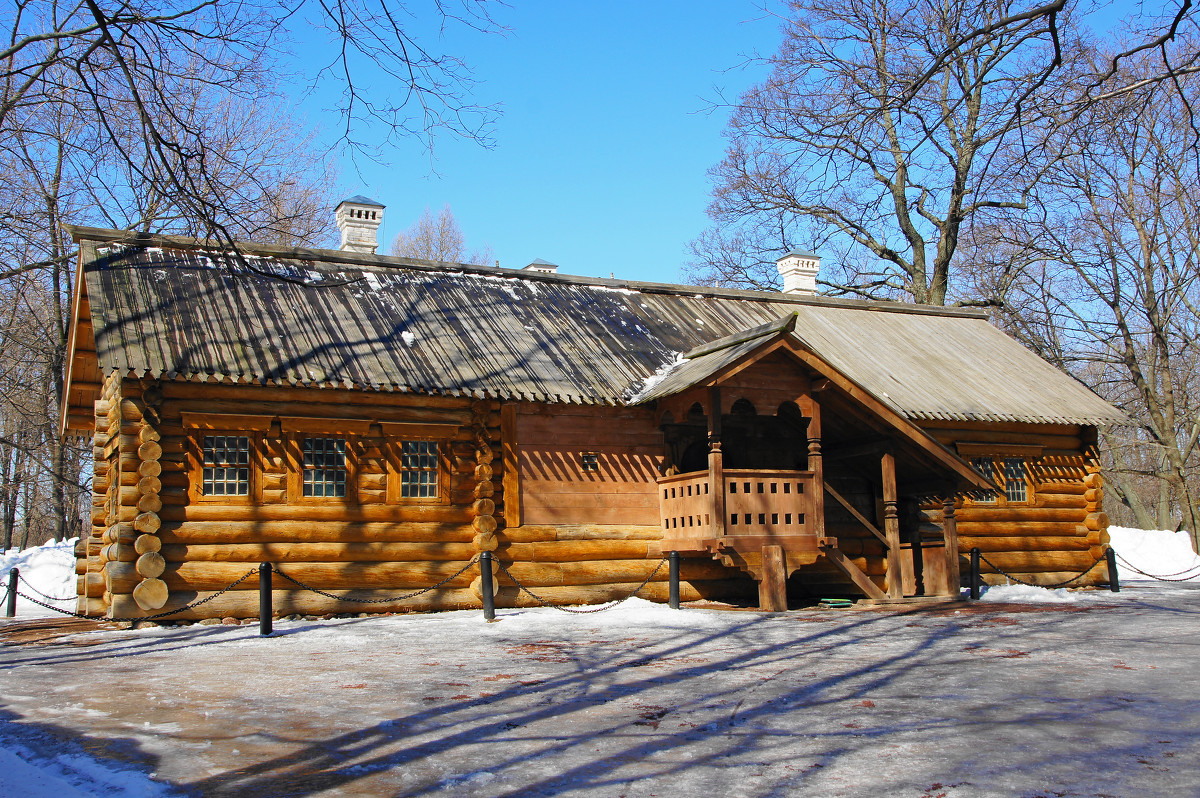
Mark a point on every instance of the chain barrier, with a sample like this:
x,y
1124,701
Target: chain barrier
x,y
1020,581
386,600
155,617
47,598
1163,577
561,608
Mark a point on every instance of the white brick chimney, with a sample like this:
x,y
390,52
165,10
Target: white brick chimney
x,y
540,265
799,272
358,219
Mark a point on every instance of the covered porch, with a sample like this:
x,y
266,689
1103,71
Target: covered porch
x,y
824,484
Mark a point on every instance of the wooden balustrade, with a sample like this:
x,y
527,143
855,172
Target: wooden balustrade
x,y
759,504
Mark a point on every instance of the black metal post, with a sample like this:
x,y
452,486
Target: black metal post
x,y
975,578
673,561
264,599
13,576
486,587
1114,582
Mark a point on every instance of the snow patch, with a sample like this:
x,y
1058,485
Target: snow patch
x,y
626,291
1024,594
1159,552
409,337
48,569
634,395
71,776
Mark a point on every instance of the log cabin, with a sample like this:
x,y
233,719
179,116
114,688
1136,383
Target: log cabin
x,y
369,424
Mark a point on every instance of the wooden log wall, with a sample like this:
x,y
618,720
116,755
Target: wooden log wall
x,y
581,536
91,574
555,488
129,547
1061,530
362,546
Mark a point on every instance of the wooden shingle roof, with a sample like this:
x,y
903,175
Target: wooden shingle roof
x,y
172,308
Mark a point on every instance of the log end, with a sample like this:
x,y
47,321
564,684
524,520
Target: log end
x,y
151,565
151,594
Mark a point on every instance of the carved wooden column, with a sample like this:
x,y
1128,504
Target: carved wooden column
x,y
891,527
716,469
950,532
817,467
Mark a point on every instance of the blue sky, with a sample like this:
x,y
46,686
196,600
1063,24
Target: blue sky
x,y
604,141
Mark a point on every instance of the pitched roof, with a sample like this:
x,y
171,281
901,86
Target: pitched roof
x,y
167,307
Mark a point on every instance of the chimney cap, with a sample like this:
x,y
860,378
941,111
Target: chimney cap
x,y
359,199
800,253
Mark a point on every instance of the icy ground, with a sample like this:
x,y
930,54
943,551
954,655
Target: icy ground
x,y
1097,696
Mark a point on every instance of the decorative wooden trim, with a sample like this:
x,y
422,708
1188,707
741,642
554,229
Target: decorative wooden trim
x,y
891,526
419,431
325,426
194,459
295,469
391,456
511,461
932,451
80,290
971,449
950,535
226,422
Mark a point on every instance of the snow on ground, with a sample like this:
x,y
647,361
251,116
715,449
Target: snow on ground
x,y
976,701
1024,594
1080,693
26,774
48,570
1162,553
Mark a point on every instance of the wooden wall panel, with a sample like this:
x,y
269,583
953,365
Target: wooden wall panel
x,y
555,488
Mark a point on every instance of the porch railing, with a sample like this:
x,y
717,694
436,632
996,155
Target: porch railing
x,y
757,502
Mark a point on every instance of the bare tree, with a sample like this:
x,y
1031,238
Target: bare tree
x,y
1104,279
438,238
133,70
820,154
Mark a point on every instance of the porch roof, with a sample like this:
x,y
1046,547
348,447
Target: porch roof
x,y
922,367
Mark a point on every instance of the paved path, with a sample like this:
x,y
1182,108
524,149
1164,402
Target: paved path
x,y
1091,699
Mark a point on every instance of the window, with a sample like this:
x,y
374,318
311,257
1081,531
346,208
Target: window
x,y
419,467
1014,480
224,457
323,467
225,465
589,461
1010,473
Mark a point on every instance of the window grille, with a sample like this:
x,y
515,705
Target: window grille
x,y
1014,480
985,466
324,467
418,470
226,465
